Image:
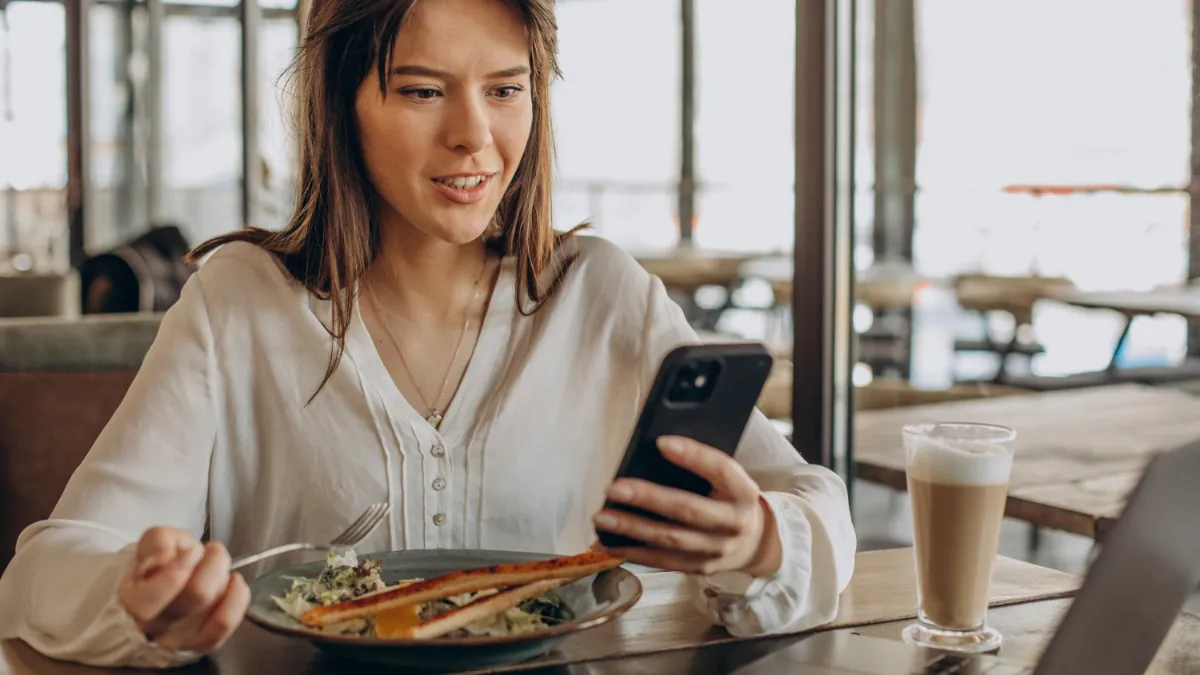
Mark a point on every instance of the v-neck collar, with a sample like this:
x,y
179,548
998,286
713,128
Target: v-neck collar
x,y
477,379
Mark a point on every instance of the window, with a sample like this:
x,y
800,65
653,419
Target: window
x,y
33,164
116,198
203,136
1065,108
745,84
617,111
1057,142
276,138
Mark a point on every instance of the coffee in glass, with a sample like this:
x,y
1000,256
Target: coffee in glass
x,y
958,478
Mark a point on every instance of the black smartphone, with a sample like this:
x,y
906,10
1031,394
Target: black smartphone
x,y
704,392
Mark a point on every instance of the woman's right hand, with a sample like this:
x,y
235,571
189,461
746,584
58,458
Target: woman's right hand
x,y
181,593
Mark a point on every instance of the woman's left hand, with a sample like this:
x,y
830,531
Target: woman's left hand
x,y
732,529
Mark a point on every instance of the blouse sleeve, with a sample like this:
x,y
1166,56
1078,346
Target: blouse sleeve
x,y
810,505
148,467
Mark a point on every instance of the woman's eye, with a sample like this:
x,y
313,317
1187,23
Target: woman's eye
x,y
421,93
508,91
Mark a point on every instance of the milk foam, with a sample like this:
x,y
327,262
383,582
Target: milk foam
x,y
958,461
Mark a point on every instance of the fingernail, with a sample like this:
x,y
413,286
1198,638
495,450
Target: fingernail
x,y
605,520
620,492
193,555
670,445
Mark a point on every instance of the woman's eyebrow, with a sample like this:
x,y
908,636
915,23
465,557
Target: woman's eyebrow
x,y
425,71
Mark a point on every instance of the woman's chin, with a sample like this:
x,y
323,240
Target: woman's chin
x,y
455,234
462,237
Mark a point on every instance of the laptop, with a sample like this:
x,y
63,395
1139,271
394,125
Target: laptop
x,y
1132,593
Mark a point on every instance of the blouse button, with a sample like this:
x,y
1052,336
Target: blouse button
x,y
439,451
439,519
439,484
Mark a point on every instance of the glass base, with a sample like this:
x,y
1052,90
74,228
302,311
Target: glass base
x,y
985,640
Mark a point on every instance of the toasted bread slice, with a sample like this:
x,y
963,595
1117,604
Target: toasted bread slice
x,y
480,609
457,583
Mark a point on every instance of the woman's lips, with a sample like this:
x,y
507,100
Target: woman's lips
x,y
463,189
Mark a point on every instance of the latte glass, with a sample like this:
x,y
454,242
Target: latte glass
x,y
958,475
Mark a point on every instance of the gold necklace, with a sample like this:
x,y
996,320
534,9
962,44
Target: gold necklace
x,y
434,416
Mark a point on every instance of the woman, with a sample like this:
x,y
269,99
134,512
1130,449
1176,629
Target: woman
x,y
418,334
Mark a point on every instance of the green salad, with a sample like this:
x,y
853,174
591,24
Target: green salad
x,y
344,578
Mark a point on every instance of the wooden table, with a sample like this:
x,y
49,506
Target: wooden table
x,y
882,592
1078,452
1183,301
1027,628
690,271
1179,301
664,631
775,400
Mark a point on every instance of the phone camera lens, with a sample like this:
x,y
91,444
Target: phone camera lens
x,y
693,382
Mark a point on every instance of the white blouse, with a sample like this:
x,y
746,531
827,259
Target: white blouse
x,y
215,432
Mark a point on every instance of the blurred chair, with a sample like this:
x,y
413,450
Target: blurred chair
x,y
1011,295
685,273
887,345
889,291
145,275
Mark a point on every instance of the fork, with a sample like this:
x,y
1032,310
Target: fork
x,y
358,530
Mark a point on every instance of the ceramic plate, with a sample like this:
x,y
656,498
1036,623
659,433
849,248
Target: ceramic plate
x,y
594,600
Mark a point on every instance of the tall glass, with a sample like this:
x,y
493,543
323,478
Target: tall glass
x,y
957,482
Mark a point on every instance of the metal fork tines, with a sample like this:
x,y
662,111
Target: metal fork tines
x,y
354,534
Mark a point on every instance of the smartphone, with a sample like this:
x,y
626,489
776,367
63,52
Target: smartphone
x,y
703,392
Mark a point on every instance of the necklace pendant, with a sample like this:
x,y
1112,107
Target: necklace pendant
x,y
434,418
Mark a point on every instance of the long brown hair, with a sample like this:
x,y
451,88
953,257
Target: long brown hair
x,y
333,235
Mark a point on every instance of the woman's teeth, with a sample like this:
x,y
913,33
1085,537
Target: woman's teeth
x,y
462,183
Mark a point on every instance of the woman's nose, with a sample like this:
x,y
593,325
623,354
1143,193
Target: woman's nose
x,y
469,127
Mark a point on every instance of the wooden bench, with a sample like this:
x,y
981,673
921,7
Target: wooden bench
x,y
60,382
